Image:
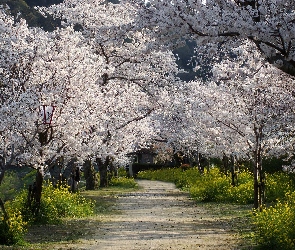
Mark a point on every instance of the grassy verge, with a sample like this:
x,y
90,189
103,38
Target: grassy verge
x,y
235,216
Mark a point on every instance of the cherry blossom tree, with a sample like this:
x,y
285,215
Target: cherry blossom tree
x,y
40,68
251,116
219,25
132,80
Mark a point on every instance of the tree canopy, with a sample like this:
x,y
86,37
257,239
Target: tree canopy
x,y
111,74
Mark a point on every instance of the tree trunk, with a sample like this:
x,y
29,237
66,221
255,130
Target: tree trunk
x,y
4,210
103,171
259,186
112,171
202,163
5,217
55,172
75,178
177,156
36,192
90,176
259,179
256,186
2,173
233,171
225,164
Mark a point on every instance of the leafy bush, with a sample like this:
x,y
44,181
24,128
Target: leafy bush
x,y
29,178
122,172
275,225
165,174
277,185
13,229
123,182
137,167
56,203
9,186
243,192
212,185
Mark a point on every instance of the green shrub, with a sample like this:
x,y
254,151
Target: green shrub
x,y
122,172
9,186
56,203
211,186
240,194
123,182
275,225
277,185
243,192
165,174
13,229
137,167
29,178
214,185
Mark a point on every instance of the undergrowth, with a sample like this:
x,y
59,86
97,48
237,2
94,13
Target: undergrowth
x,y
56,204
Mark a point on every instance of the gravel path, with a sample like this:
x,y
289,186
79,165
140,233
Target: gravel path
x,y
159,216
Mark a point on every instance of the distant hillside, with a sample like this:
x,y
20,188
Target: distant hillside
x,y
33,17
184,61
42,2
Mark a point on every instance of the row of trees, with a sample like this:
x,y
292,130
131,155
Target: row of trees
x,y
102,80
111,76
247,109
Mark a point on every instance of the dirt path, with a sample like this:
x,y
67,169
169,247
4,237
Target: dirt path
x,y
159,216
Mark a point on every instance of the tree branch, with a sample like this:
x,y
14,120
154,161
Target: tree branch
x,y
136,119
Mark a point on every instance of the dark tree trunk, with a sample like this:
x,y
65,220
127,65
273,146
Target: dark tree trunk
x,y
75,178
90,176
177,156
234,179
103,171
55,172
112,171
259,178
225,163
4,210
256,186
203,163
35,192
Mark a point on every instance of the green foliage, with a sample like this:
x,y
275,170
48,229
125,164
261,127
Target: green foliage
x,y
273,164
216,186
137,167
122,172
56,204
209,186
165,174
275,225
9,186
123,182
32,16
29,178
13,229
277,185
